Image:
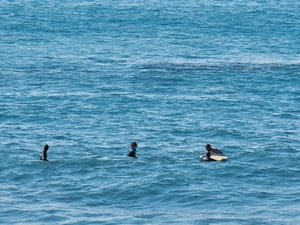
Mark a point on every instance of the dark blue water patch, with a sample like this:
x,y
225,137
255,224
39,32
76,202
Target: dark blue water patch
x,y
219,67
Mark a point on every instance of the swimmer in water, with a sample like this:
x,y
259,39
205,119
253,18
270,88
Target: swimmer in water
x,y
43,155
133,147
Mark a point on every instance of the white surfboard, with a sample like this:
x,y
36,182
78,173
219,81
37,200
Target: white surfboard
x,y
215,157
218,157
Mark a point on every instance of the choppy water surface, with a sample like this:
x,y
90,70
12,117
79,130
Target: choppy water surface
x,y
88,78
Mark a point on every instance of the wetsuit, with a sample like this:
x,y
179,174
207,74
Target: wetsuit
x,y
43,155
207,157
132,152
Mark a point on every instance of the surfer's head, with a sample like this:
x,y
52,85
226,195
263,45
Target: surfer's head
x,y
46,147
208,147
133,145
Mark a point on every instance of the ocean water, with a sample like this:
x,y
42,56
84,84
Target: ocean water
x,y
89,77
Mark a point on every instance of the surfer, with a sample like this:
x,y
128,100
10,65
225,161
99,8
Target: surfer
x,y
212,150
43,155
213,154
133,147
206,156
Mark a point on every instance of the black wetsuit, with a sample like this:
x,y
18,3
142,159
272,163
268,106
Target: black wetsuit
x,y
43,155
131,153
207,157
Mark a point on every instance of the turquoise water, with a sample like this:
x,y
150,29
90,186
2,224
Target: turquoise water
x,y
90,77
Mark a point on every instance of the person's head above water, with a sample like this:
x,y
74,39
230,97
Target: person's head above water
x,y
133,145
208,147
46,147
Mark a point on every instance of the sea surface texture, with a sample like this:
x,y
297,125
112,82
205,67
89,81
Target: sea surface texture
x,y
89,77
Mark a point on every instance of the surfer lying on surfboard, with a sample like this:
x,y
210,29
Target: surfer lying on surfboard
x,y
209,149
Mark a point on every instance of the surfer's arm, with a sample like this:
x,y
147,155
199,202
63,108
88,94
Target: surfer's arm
x,y
217,151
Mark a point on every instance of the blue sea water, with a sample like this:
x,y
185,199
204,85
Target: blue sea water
x,y
89,77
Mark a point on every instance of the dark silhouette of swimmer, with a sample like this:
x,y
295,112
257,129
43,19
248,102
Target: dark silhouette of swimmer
x,y
213,150
43,155
210,150
207,156
133,147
